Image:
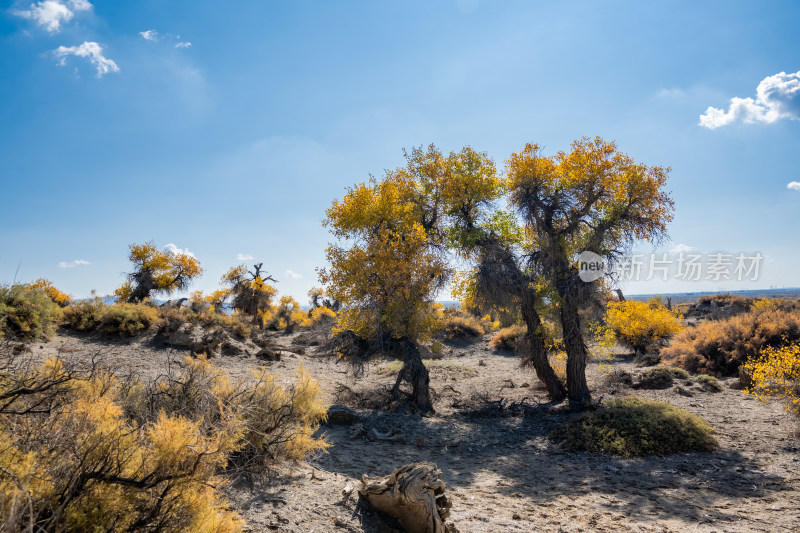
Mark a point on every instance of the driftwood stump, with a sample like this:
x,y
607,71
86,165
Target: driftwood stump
x,y
413,495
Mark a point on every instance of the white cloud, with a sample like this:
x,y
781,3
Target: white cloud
x,y
794,185
185,44
149,35
171,248
293,275
73,264
51,14
670,93
90,50
244,257
777,97
680,248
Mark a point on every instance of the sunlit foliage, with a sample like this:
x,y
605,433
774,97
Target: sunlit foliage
x,y
592,198
719,347
156,271
775,373
641,325
251,294
27,312
61,298
388,263
81,450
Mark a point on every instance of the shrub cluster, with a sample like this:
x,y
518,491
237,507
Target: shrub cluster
x,y
641,325
507,338
89,452
27,312
124,320
634,426
719,347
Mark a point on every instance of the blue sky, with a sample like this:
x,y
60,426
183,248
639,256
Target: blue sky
x,y
227,129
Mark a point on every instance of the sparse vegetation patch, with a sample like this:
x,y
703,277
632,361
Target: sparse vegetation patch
x,y
634,426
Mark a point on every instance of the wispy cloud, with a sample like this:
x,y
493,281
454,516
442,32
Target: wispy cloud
x,y
149,35
244,257
794,185
90,50
293,275
185,44
680,248
171,248
777,97
51,14
73,264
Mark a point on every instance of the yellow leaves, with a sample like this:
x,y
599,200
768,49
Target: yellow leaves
x,y
161,468
776,373
596,196
639,324
61,298
157,271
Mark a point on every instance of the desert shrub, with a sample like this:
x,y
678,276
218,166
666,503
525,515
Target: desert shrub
x,y
91,452
322,315
124,320
462,327
641,325
288,315
717,306
775,373
709,383
74,462
719,347
660,377
61,298
27,312
273,421
507,338
85,315
634,426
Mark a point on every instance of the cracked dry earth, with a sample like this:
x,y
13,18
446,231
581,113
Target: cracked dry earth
x,y
489,438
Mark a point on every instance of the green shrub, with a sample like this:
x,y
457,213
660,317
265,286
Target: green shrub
x,y
709,383
85,315
719,347
634,426
27,312
124,320
660,377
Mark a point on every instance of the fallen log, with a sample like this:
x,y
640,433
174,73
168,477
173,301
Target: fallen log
x,y
413,495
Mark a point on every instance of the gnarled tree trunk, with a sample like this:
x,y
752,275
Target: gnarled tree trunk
x,y
577,390
414,372
413,495
537,352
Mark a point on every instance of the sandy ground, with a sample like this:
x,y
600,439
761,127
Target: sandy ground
x,y
502,472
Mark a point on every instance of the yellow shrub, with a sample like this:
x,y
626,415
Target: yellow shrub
x,y
90,453
61,298
640,325
719,347
322,314
776,373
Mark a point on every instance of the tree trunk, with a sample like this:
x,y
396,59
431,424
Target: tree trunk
x,y
577,390
413,495
537,353
415,372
